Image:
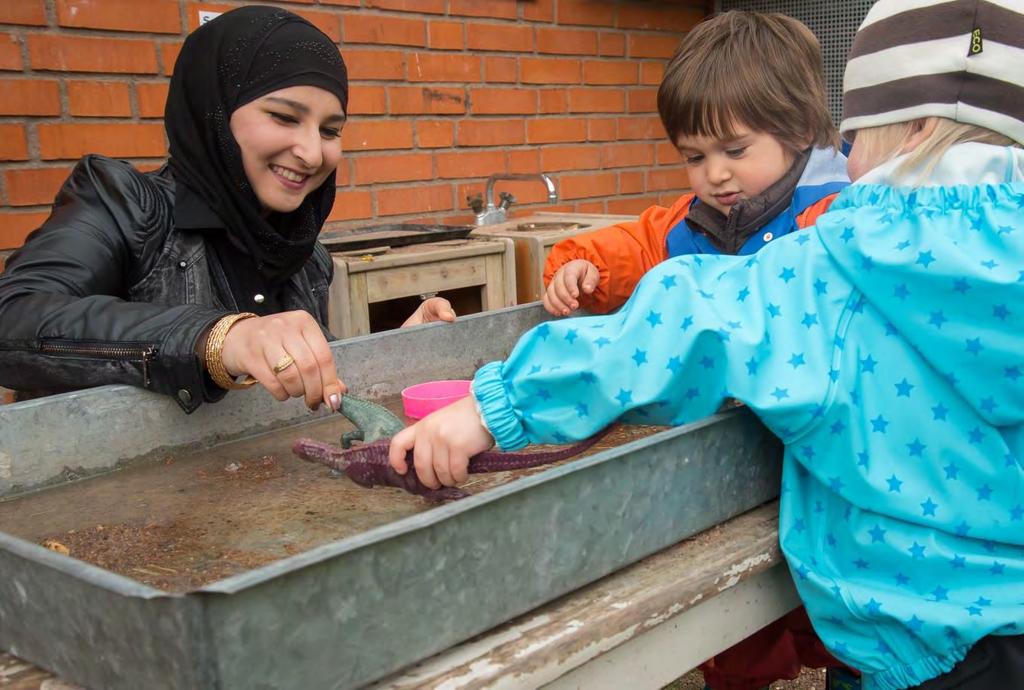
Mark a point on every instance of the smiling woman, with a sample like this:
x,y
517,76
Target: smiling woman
x,y
290,141
207,271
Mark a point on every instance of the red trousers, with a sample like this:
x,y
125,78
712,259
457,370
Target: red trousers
x,y
773,653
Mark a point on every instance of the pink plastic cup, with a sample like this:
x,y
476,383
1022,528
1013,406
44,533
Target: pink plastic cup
x,y
423,398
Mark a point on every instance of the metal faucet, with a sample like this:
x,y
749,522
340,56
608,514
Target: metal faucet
x,y
499,213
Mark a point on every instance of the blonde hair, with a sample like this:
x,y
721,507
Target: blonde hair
x,y
760,70
886,142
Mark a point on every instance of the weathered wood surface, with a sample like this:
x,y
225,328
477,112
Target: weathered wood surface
x,y
16,674
541,646
421,253
361,278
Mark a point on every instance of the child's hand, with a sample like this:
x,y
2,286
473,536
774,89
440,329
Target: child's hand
x,y
443,443
430,310
564,289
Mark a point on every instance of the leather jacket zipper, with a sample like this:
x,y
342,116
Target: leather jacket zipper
x,y
131,353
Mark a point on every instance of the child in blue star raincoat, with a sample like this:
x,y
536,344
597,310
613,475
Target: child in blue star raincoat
x,y
885,347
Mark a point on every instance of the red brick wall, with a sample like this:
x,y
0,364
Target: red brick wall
x,y
443,93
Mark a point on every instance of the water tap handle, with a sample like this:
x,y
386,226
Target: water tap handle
x,y
476,202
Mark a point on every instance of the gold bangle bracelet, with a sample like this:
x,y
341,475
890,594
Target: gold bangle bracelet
x,y
215,348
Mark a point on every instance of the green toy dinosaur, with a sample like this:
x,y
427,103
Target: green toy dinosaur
x,y
372,421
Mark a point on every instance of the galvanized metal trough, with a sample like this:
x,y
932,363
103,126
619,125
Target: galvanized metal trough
x,y
349,612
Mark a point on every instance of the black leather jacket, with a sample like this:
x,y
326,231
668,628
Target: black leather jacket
x,y
111,290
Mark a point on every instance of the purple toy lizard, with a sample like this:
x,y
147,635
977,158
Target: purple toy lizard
x,y
367,465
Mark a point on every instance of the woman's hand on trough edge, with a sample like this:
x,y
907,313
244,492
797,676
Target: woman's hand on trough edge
x,y
258,345
442,444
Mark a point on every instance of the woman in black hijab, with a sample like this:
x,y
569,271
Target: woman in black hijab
x,y
207,271
225,65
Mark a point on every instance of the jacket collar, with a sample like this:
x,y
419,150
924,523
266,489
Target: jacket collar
x,y
972,163
729,233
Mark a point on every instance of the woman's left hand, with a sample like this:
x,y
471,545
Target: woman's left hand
x,y
442,444
433,309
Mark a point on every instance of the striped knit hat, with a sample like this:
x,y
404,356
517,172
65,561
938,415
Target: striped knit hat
x,y
958,59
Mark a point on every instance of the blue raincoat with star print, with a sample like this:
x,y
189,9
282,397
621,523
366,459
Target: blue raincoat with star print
x,y
885,347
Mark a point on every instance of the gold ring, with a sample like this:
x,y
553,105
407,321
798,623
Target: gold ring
x,y
283,363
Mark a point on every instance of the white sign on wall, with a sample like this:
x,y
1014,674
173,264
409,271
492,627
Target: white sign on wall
x,y
205,16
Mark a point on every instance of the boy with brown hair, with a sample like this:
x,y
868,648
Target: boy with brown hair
x,y
743,100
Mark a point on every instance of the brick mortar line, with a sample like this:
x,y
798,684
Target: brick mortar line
x,y
23,44
64,97
63,119
133,101
534,24
82,32
558,174
447,14
51,163
46,72
487,117
119,77
143,35
494,53
183,18
502,86
40,165
150,78
34,208
518,209
32,139
50,7
354,154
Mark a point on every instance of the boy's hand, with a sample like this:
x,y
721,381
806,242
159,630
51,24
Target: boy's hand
x,y
563,291
442,443
433,309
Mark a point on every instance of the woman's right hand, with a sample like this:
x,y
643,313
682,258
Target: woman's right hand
x,y
563,291
256,346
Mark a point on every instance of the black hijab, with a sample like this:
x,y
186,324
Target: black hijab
x,y
230,61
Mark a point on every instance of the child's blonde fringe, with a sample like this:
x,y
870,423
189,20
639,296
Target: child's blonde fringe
x,y
884,143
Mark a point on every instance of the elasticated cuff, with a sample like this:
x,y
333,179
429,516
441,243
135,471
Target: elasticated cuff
x,y
915,673
496,408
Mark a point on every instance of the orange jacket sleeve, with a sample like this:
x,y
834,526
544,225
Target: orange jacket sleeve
x,y
622,253
809,216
